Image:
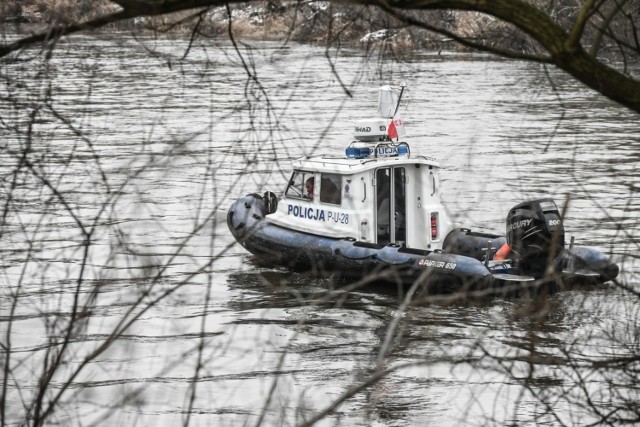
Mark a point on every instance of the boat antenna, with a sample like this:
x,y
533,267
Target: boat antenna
x,y
402,86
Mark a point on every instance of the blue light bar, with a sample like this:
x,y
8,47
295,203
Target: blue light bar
x,y
380,150
358,152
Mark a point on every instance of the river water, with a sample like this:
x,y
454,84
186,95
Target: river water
x,y
134,154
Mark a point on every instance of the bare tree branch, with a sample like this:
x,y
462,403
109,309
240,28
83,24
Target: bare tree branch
x,y
563,49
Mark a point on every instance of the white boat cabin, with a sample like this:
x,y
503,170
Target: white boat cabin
x,y
377,193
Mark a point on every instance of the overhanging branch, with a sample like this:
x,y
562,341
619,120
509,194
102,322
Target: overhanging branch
x,y
572,58
466,41
563,49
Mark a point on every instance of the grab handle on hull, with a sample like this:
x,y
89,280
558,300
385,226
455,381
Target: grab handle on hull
x,y
435,184
364,184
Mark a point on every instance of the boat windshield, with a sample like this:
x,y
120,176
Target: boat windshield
x,y
301,185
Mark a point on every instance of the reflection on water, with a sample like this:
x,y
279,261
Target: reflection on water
x,y
140,157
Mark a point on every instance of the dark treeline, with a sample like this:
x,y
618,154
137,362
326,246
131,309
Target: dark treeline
x,y
347,23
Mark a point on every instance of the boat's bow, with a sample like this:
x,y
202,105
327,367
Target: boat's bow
x,y
245,215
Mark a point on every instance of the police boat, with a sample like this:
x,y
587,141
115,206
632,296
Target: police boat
x,y
377,210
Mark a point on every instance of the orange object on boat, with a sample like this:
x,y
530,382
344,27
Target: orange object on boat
x,y
502,253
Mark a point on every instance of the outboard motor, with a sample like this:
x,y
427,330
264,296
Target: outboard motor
x,y
535,234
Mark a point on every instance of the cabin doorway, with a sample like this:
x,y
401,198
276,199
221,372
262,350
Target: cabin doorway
x,y
391,203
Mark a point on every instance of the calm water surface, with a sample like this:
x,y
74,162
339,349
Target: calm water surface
x,y
157,148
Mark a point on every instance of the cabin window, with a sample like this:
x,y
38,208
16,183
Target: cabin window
x,y
331,188
301,185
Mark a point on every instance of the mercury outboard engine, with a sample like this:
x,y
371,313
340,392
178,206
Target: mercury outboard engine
x,y
535,234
